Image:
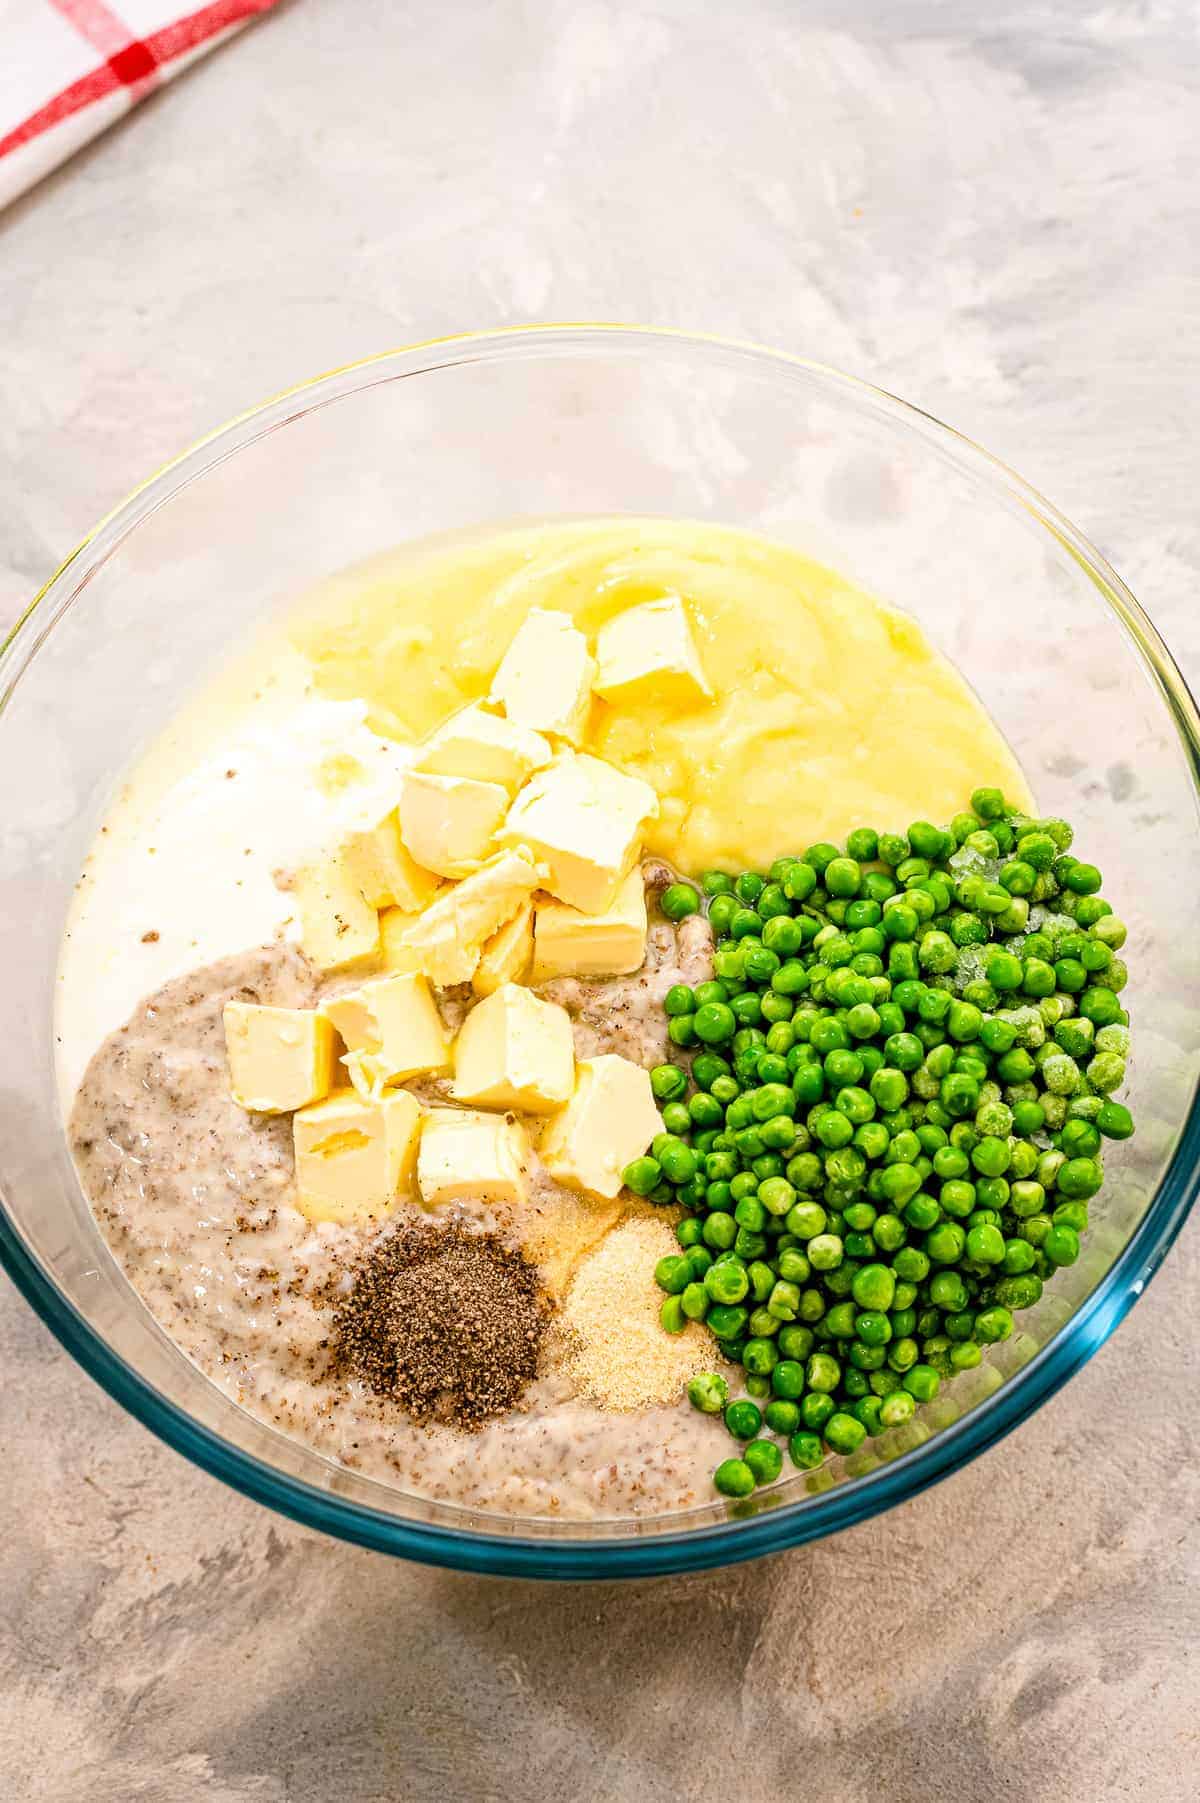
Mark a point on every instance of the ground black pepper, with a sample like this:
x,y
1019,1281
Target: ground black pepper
x,y
446,1324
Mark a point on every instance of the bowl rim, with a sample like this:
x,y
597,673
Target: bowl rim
x,y
739,1537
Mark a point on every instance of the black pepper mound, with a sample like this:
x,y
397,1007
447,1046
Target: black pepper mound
x,y
446,1324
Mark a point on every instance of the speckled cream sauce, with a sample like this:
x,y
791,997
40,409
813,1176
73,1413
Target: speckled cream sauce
x,y
194,1196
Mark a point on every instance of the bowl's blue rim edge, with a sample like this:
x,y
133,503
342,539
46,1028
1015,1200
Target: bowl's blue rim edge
x,y
737,1540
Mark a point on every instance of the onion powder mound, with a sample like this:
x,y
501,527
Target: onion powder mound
x,y
618,1352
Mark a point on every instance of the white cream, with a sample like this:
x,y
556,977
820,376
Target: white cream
x,y
189,853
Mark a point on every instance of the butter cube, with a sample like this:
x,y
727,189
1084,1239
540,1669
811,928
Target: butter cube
x,y
375,858
392,1030
507,954
567,943
609,1121
647,655
485,747
338,925
470,1157
514,1051
354,1158
399,957
583,819
448,823
448,938
279,1058
545,677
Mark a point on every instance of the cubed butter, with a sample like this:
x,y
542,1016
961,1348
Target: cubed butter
x,y
647,655
486,747
448,823
470,1157
376,859
355,1158
609,1121
545,677
392,1030
567,943
507,955
279,1058
398,955
448,938
514,1051
583,820
338,925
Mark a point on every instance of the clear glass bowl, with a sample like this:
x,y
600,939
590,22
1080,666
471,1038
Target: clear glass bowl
x,y
575,421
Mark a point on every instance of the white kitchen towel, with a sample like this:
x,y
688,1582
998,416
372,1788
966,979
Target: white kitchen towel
x,y
69,68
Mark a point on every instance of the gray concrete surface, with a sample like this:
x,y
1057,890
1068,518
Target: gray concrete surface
x,y
994,210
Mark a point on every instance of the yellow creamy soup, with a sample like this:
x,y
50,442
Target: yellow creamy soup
x,y
829,710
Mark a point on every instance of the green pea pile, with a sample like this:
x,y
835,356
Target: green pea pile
x,y
887,1120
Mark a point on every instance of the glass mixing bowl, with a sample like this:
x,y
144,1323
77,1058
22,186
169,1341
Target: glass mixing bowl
x,y
574,421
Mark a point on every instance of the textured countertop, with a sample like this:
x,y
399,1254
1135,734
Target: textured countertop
x,y
992,210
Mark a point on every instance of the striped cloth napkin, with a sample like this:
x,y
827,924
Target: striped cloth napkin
x,y
69,68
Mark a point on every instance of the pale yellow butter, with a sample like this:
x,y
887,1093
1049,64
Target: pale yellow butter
x,y
398,955
514,1051
545,677
448,938
567,943
609,1121
583,819
338,925
470,1157
377,861
279,1058
647,655
448,823
485,747
508,953
355,1158
391,1029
